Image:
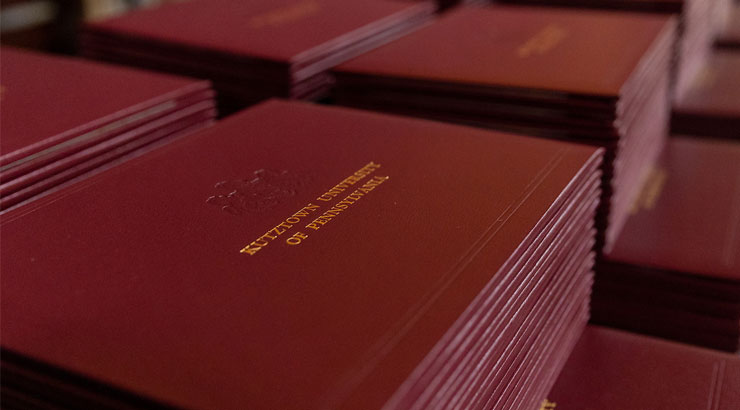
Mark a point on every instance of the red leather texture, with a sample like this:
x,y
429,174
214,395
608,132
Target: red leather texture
x,y
711,106
282,31
691,198
134,277
623,371
584,52
46,100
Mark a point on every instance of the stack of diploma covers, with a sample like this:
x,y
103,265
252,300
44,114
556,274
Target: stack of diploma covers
x,y
729,36
675,269
302,257
618,370
255,49
599,78
711,106
64,118
700,21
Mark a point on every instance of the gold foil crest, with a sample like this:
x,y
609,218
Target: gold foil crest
x,y
265,189
652,187
285,15
543,41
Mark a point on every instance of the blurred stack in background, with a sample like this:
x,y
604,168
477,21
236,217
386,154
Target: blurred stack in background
x,y
618,370
253,50
699,23
675,270
53,25
711,105
48,25
60,122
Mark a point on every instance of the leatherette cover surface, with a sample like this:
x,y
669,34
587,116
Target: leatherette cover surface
x,y
47,99
623,371
730,35
572,51
687,218
277,30
715,91
288,257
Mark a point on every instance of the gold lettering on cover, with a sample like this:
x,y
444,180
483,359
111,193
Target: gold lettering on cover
x,y
548,405
344,204
278,230
325,217
543,41
285,15
652,187
349,181
296,238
